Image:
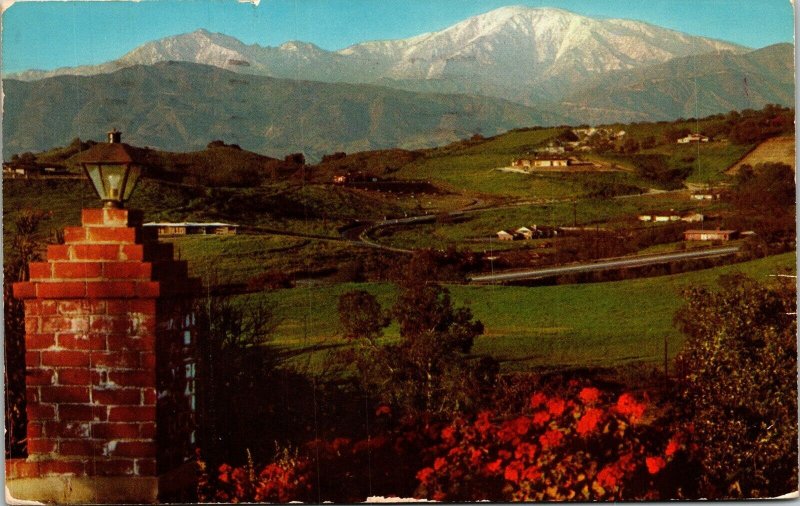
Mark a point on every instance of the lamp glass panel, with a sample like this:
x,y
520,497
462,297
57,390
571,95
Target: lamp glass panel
x,y
134,171
113,177
93,171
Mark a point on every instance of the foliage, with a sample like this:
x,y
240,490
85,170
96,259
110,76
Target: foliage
x,y
738,386
655,168
26,242
575,446
361,316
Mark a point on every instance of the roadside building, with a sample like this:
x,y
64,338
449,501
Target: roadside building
x,y
191,228
706,195
660,216
710,235
692,217
524,233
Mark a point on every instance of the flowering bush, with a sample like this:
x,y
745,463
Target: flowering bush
x,y
286,479
577,447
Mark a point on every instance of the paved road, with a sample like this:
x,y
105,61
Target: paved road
x,y
602,265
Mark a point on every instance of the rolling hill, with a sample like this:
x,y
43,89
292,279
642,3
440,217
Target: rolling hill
x,y
178,106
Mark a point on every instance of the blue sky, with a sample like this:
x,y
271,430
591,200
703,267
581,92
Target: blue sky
x,y
47,35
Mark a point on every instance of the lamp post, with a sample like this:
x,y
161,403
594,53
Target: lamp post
x,y
113,170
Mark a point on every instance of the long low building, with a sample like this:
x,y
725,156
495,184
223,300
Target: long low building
x,y
192,228
710,235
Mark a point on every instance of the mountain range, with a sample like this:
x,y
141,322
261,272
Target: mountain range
x,y
546,65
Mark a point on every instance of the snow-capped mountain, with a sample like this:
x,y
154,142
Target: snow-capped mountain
x,y
502,53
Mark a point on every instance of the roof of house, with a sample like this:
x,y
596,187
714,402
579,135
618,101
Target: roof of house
x,y
110,152
709,231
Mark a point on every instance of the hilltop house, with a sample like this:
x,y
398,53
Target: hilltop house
x,y
692,138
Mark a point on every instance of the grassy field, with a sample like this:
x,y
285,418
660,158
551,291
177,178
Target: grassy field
x,y
554,327
778,149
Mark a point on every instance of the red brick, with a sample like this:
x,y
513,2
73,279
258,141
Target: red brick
x,y
51,467
147,360
35,429
24,290
61,323
33,358
145,467
74,234
132,378
77,270
31,324
76,376
132,413
121,430
48,307
116,216
39,341
103,289
116,359
65,358
134,449
32,393
39,376
116,396
148,289
58,251
81,412
80,307
61,290
81,342
68,429
20,468
127,270
111,234
95,251
125,342
40,411
147,430
78,447
146,306
149,396
132,252
116,307
41,445
65,394
92,216
113,467
40,270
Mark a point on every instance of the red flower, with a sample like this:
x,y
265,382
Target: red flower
x,y
425,474
630,407
383,410
589,421
513,471
493,467
531,473
556,406
522,424
439,463
475,456
448,434
589,395
655,464
550,439
439,496
538,399
609,476
525,450
541,418
673,446
482,424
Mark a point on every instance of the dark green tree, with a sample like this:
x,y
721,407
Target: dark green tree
x,y
738,386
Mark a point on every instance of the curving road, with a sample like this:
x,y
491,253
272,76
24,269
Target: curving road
x,y
602,265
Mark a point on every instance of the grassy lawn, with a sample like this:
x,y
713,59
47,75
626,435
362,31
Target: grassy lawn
x,y
555,327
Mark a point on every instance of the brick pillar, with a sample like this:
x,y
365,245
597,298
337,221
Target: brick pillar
x,y
109,337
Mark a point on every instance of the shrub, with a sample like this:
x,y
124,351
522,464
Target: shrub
x,y
739,386
577,447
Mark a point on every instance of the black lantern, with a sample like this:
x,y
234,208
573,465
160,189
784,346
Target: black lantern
x,y
113,170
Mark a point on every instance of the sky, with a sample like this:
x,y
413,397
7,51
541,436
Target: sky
x,y
47,35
